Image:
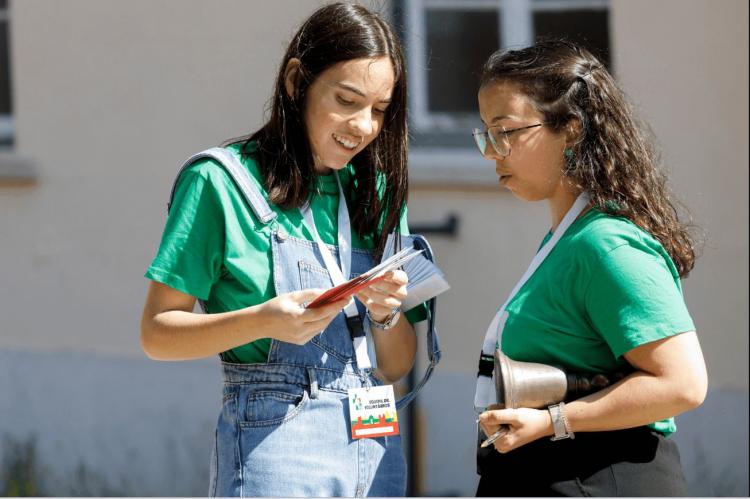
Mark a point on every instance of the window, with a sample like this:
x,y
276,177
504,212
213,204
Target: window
x,y
6,120
447,41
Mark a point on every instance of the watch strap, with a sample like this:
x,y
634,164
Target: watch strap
x,y
560,422
389,321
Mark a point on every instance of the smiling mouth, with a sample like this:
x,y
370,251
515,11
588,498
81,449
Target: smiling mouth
x,y
346,143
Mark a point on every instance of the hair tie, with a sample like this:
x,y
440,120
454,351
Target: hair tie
x,y
590,68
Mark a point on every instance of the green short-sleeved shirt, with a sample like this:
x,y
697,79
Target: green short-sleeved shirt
x,y
606,288
214,248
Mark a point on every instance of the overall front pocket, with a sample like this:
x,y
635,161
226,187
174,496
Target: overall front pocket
x,y
268,407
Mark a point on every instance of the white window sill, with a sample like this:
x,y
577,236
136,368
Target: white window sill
x,y
450,167
16,170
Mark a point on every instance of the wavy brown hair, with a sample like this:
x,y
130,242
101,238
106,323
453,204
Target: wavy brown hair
x,y
614,159
336,33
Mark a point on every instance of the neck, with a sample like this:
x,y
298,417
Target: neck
x,y
323,170
559,206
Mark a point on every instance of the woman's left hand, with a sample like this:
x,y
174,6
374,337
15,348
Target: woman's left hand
x,y
383,296
525,425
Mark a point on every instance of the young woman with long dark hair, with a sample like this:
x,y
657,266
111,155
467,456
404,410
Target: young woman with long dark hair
x,y
328,180
602,294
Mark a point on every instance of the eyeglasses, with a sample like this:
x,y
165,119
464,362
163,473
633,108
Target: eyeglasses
x,y
499,137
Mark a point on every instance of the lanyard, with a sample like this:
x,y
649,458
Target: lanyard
x,y
340,274
486,394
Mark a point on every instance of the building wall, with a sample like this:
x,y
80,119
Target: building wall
x,y
684,66
110,97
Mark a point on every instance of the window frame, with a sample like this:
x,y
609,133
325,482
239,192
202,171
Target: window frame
x,y
516,29
7,128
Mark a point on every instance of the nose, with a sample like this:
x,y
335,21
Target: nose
x,y
361,122
491,154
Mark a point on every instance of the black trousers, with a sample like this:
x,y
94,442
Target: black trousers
x,y
633,462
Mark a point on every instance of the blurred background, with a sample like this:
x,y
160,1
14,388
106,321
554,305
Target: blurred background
x,y
101,101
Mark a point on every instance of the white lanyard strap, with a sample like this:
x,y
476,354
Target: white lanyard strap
x,y
485,394
340,274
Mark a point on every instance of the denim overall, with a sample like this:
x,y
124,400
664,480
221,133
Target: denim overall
x,y
284,425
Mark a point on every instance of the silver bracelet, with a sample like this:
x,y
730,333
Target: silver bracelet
x,y
560,422
388,322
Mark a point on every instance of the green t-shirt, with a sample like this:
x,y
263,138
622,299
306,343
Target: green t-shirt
x,y
606,288
214,248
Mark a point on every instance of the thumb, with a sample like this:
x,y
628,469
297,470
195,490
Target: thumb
x,y
499,416
306,295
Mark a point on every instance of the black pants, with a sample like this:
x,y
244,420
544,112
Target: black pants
x,y
634,462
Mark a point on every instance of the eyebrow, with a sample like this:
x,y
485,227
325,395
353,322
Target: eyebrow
x,y
501,117
359,92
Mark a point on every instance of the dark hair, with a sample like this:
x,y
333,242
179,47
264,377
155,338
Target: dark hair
x,y
614,158
336,33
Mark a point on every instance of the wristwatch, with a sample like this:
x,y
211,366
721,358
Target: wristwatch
x,y
388,322
560,422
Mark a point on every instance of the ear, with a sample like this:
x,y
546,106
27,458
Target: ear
x,y
572,132
290,77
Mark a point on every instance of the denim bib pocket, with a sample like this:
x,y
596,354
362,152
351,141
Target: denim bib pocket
x,y
315,276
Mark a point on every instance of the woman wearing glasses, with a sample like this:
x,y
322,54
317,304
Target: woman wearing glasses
x,y
603,293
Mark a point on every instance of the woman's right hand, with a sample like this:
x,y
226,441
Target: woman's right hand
x,y
286,319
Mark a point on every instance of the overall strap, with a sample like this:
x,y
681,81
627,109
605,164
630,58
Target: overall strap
x,y
241,177
433,345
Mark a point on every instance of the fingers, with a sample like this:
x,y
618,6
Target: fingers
x,y
393,284
326,311
305,295
498,417
397,277
380,300
385,295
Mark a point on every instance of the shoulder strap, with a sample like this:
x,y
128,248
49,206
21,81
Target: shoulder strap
x,y
241,177
433,345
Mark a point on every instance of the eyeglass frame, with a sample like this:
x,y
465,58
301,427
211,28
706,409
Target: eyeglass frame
x,y
491,140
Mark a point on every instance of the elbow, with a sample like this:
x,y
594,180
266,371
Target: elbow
x,y
393,373
693,392
148,340
696,396
391,376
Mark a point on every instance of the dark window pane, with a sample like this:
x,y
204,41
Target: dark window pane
x,y
458,42
3,4
587,27
5,107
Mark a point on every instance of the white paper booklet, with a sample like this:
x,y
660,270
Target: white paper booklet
x,y
426,280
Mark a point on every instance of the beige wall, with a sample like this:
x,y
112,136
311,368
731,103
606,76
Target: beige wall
x,y
683,63
115,94
110,96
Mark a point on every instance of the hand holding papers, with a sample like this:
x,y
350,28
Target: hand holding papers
x,y
373,275
425,278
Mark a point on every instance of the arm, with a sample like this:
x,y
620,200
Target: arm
x,y
171,331
670,378
395,348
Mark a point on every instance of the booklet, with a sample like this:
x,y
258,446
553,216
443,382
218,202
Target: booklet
x,y
425,278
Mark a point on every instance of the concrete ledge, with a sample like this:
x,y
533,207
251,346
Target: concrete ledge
x,y
16,171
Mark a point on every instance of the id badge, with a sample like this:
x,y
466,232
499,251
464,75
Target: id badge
x,y
373,412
